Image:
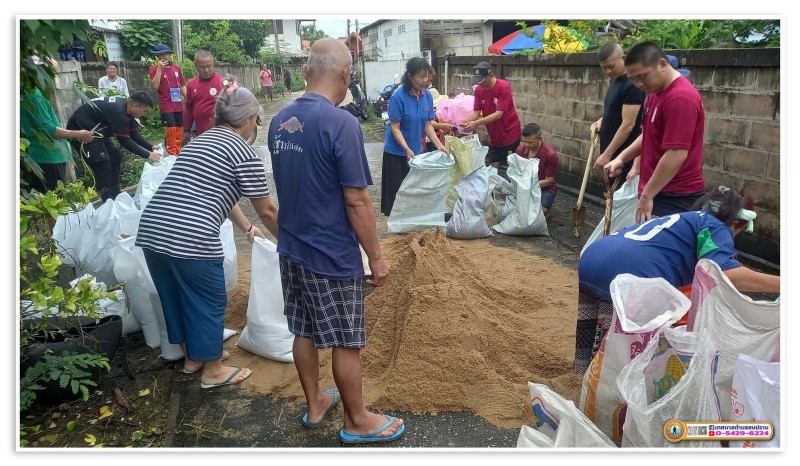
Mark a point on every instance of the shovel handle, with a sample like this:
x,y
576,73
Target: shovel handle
x,y
593,137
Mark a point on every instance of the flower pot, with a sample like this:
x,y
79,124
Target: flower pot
x,y
78,335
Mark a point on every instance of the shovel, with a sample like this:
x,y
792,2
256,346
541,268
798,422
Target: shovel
x,y
579,211
609,195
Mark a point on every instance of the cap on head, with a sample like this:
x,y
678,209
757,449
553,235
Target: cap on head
x,y
159,49
482,71
673,62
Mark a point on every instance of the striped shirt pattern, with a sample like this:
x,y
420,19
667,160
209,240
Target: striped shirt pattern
x,y
212,173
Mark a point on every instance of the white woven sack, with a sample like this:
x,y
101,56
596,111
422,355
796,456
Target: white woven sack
x,y
469,218
559,423
673,378
420,201
527,218
736,324
642,308
267,331
623,212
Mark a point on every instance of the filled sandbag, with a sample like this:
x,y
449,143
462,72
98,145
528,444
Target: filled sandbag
x,y
420,201
267,331
469,219
527,217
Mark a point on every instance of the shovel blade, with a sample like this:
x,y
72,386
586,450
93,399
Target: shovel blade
x,y
578,217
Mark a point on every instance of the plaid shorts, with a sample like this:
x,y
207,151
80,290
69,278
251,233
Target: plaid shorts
x,y
330,312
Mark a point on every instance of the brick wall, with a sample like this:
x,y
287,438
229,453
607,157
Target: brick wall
x,y
741,95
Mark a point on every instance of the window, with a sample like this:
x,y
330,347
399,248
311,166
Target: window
x,y
401,29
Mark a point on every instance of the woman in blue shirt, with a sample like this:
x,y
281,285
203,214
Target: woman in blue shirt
x,y
411,115
668,247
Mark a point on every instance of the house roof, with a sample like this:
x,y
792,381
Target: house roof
x,y
372,24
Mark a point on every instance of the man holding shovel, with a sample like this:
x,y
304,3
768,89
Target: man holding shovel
x,y
621,122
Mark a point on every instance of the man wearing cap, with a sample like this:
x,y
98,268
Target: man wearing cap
x,y
493,100
621,122
167,79
201,97
671,143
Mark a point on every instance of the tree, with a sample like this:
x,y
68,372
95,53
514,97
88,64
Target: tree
x,y
312,34
251,33
216,37
140,36
41,37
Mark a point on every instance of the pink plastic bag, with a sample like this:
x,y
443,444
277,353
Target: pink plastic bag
x,y
456,109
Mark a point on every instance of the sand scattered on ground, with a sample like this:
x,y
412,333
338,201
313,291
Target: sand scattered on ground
x,y
459,326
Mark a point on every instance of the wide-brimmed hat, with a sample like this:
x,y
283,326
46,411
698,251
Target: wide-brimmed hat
x,y
159,49
673,62
436,96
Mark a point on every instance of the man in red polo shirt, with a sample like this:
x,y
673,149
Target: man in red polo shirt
x,y
201,96
493,100
534,147
671,143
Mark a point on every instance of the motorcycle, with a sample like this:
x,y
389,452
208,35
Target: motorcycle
x,y
381,105
355,101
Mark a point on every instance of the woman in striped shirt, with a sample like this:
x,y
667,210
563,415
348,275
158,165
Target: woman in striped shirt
x,y
179,231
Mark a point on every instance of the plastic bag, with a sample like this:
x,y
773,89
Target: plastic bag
x,y
267,331
673,378
464,164
469,219
736,324
642,308
527,217
420,201
559,423
756,397
623,213
455,109
230,263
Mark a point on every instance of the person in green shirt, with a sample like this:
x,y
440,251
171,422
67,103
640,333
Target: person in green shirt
x,y
40,125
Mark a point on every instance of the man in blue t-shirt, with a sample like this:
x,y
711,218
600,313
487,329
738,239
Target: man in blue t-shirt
x,y
321,177
667,247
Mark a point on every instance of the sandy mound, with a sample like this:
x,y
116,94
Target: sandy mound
x,y
459,326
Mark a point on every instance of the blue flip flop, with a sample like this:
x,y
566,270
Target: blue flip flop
x,y
334,403
372,436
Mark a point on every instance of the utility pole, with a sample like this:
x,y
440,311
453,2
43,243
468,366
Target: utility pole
x,y
275,30
358,57
177,39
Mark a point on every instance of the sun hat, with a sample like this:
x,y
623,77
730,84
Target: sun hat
x,y
159,49
436,96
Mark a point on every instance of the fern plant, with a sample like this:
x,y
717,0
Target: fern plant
x,y
69,370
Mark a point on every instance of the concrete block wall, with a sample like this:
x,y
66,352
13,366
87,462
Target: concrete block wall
x,y
741,95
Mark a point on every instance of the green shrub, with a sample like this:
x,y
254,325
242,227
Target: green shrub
x,y
298,82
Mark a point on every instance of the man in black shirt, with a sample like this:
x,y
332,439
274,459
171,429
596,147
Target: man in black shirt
x,y
107,117
621,123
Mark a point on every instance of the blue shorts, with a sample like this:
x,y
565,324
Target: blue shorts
x,y
192,293
330,312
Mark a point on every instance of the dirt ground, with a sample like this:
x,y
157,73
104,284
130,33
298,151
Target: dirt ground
x,y
461,327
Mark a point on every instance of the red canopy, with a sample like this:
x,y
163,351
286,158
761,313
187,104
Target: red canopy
x,y
497,47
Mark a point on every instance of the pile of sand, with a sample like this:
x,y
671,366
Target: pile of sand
x,y
459,326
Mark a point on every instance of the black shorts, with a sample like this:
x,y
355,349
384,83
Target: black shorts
x,y
668,204
500,153
173,119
